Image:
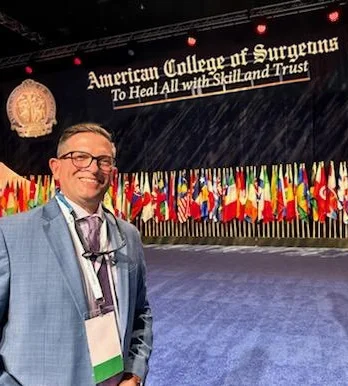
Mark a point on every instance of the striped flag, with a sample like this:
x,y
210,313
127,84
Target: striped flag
x,y
183,202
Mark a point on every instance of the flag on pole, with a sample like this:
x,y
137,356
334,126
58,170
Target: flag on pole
x,y
241,193
211,199
32,192
229,206
195,208
267,213
260,195
302,194
172,209
281,199
250,213
147,212
183,202
274,190
216,214
313,199
203,196
119,197
331,197
319,191
137,199
289,194
343,190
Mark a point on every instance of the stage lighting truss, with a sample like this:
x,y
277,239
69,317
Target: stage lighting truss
x,y
23,30
165,32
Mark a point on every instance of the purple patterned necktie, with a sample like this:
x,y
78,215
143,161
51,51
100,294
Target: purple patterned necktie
x,y
93,238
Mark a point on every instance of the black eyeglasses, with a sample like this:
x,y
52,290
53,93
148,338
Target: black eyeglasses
x,y
82,160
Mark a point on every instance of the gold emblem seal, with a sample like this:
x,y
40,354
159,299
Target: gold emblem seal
x,y
31,109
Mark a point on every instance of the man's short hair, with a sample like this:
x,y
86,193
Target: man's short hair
x,y
86,127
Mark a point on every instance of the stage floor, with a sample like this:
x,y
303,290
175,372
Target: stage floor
x,y
248,315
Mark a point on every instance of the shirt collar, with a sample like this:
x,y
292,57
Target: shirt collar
x,y
82,213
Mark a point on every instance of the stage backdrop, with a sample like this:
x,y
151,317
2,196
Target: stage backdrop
x,y
233,100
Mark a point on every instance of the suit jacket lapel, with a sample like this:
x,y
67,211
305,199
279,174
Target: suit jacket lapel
x,y
58,235
121,270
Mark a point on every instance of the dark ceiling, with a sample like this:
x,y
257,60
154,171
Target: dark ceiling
x,y
32,26
63,22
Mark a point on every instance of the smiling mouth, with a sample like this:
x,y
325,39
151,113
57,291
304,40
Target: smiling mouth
x,y
86,179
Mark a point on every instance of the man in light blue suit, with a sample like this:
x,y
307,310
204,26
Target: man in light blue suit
x,y
51,308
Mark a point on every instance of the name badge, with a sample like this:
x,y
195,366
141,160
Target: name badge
x,y
104,346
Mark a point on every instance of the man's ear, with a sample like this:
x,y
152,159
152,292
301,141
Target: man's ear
x,y
54,164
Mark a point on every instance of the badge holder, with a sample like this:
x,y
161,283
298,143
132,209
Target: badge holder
x,y
103,343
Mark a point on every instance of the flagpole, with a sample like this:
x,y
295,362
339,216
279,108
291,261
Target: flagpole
x,y
293,228
287,228
148,228
298,226
157,229
176,228
330,226
234,228
313,227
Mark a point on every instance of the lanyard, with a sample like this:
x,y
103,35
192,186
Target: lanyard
x,y
86,253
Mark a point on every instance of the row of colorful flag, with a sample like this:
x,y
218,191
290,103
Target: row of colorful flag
x,y
281,192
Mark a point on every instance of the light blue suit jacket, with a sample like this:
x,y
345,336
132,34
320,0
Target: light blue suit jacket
x,y
42,301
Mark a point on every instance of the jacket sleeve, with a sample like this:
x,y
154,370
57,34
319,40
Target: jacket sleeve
x,y
5,377
142,337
